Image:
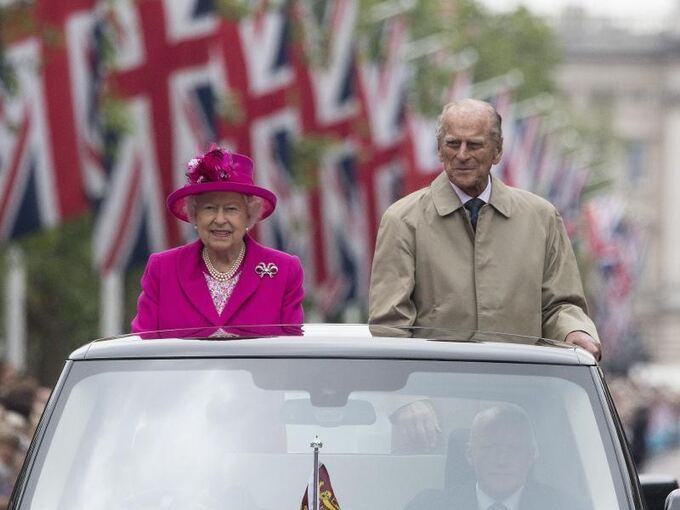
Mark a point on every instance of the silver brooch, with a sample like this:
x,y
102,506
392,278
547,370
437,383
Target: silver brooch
x,y
263,269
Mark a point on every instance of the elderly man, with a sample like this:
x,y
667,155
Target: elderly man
x,y
471,253
501,451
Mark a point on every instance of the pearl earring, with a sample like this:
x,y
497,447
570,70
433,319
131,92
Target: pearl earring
x,y
195,227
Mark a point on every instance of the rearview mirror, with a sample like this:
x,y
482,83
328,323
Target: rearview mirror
x,y
302,412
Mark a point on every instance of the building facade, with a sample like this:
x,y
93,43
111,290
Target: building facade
x,y
627,84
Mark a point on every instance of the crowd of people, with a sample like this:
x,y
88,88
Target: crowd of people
x,y
650,416
22,400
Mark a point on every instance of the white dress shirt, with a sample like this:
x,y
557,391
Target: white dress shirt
x,y
464,197
484,501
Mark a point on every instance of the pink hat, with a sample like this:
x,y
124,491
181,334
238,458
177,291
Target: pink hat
x,y
219,170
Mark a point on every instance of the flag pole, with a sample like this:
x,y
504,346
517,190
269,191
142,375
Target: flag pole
x,y
317,445
15,309
111,303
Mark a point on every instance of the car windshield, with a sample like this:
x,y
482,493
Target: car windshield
x,y
212,434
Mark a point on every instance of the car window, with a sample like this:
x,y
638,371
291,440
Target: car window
x,y
225,433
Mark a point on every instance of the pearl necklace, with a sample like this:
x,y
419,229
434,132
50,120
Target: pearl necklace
x,y
218,275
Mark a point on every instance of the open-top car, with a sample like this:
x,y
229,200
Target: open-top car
x,y
244,420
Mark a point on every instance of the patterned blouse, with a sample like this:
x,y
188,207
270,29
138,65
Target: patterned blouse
x,y
221,291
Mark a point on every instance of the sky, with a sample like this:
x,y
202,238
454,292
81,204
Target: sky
x,y
636,14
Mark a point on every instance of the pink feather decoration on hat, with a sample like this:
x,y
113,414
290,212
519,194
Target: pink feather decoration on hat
x,y
213,166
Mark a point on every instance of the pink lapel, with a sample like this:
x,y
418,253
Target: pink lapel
x,y
248,281
192,281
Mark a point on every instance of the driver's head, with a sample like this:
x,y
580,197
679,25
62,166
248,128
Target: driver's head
x,y
501,449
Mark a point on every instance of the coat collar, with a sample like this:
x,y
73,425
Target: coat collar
x,y
190,274
444,197
446,200
501,197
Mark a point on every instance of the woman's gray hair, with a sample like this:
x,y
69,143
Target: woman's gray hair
x,y
254,208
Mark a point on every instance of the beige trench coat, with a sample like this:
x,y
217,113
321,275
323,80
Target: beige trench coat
x,y
517,275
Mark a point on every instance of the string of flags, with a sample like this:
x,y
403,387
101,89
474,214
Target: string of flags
x,y
104,116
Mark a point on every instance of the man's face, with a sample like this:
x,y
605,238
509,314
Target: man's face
x,y
467,148
501,455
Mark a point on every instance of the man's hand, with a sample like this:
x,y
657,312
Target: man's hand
x,y
586,342
416,427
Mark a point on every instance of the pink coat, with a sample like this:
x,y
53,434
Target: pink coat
x,y
175,294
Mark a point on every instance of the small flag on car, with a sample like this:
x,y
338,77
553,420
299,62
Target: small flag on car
x,y
327,499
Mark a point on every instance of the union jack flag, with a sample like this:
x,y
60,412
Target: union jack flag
x,y
617,248
383,83
346,225
329,31
330,109
130,218
290,229
266,41
521,137
188,19
195,97
268,71
86,40
571,180
549,154
421,149
261,71
389,183
172,109
29,191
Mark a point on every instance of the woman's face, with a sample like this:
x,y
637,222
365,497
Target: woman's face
x,y
221,220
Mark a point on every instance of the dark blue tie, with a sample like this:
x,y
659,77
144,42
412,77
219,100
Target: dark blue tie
x,y
474,205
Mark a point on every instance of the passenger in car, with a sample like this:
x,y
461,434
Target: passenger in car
x,y
224,278
501,451
471,253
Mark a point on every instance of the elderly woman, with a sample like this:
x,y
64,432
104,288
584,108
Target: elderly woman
x,y
224,278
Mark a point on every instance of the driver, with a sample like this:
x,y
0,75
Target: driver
x,y
501,451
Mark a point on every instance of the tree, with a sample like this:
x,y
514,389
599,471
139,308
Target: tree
x,y
62,295
516,40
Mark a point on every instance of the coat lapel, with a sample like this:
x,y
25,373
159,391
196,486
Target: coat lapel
x,y
192,280
444,197
501,198
248,282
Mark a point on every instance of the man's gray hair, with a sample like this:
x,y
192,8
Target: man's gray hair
x,y
511,416
462,104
